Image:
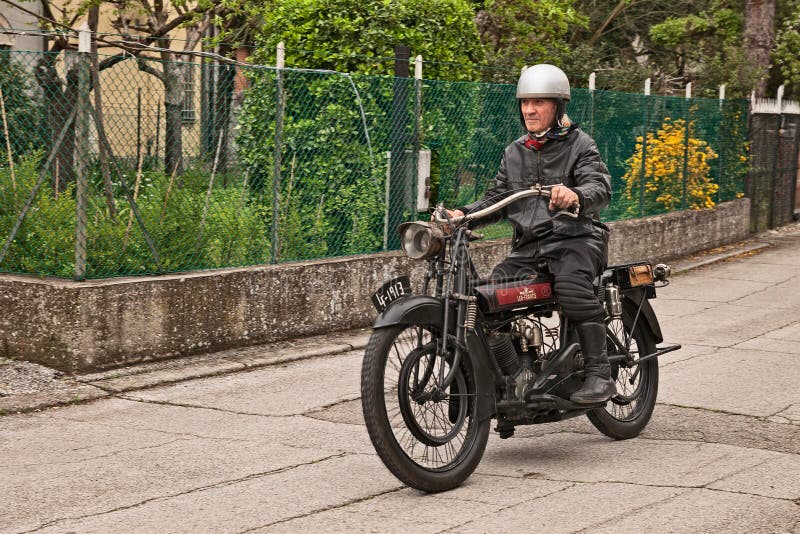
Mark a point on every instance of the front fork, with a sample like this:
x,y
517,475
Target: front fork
x,y
466,308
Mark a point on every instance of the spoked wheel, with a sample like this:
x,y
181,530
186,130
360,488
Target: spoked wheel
x,y
629,411
428,437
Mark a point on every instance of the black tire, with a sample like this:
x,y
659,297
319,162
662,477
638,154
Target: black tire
x,y
429,442
629,411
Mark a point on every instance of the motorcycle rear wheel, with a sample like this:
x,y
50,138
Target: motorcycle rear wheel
x,y
430,441
629,411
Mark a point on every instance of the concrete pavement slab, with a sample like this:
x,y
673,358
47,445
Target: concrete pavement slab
x,y
789,332
677,307
686,352
706,426
788,255
251,502
575,508
781,296
411,511
724,325
785,339
28,440
768,344
790,415
739,381
707,289
705,511
116,416
594,458
272,391
752,269
128,477
778,478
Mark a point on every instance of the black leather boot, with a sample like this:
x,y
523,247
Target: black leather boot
x,y
597,386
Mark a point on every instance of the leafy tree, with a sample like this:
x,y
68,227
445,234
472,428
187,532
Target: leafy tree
x,y
704,48
356,36
671,41
520,32
787,52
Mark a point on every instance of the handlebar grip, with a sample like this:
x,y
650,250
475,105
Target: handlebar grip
x,y
572,211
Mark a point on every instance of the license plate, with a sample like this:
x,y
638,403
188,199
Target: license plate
x,y
391,291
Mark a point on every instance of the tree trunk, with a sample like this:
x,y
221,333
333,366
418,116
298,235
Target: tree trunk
x,y
173,103
759,37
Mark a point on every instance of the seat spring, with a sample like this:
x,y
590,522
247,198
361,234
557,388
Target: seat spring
x,y
472,312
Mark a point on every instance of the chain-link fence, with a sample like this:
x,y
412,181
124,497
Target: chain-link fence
x,y
128,167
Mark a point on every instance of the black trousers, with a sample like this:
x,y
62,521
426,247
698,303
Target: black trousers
x,y
575,262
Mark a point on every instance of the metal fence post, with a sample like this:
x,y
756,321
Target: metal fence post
x,y
592,79
720,156
276,174
82,134
645,124
773,179
686,143
398,193
417,105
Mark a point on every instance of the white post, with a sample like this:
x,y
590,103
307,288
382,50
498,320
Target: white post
x,y
780,99
281,55
688,90
524,68
423,172
84,39
592,78
722,92
82,151
647,87
276,173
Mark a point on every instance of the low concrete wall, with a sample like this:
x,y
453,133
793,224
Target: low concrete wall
x,y
81,326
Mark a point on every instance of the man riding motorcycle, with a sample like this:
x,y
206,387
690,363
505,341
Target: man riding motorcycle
x,y
556,152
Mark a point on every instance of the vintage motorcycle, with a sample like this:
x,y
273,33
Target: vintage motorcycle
x,y
439,367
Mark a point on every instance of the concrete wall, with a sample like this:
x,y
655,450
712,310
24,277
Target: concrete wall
x,y
80,326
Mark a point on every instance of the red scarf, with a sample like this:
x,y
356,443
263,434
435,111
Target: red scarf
x,y
532,143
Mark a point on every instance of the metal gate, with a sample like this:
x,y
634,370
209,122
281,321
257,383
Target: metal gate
x,y
772,180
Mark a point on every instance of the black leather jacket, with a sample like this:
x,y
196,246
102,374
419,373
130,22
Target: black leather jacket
x,y
571,159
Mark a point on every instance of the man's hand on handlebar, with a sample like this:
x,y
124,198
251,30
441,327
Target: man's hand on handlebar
x,y
452,214
562,197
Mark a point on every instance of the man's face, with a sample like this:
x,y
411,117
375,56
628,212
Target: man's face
x,y
539,113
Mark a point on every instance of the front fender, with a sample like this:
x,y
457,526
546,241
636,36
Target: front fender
x,y
417,309
422,309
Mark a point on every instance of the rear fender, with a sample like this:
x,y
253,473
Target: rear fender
x,y
421,309
630,304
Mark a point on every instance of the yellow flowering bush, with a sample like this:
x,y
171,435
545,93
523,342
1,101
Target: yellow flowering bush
x,y
664,169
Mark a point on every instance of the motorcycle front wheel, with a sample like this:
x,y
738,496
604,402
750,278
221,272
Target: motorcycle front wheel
x,y
428,437
629,411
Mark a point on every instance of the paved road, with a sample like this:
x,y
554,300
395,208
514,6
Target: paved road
x,y
283,448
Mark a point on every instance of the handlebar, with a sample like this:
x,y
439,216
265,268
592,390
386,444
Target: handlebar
x,y
536,190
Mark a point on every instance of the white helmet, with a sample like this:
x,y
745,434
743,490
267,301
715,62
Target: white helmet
x,y
543,81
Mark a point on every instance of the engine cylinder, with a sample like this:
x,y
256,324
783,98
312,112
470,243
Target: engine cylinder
x,y
504,352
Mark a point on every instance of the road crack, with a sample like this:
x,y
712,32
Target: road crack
x,y
199,489
327,508
504,508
